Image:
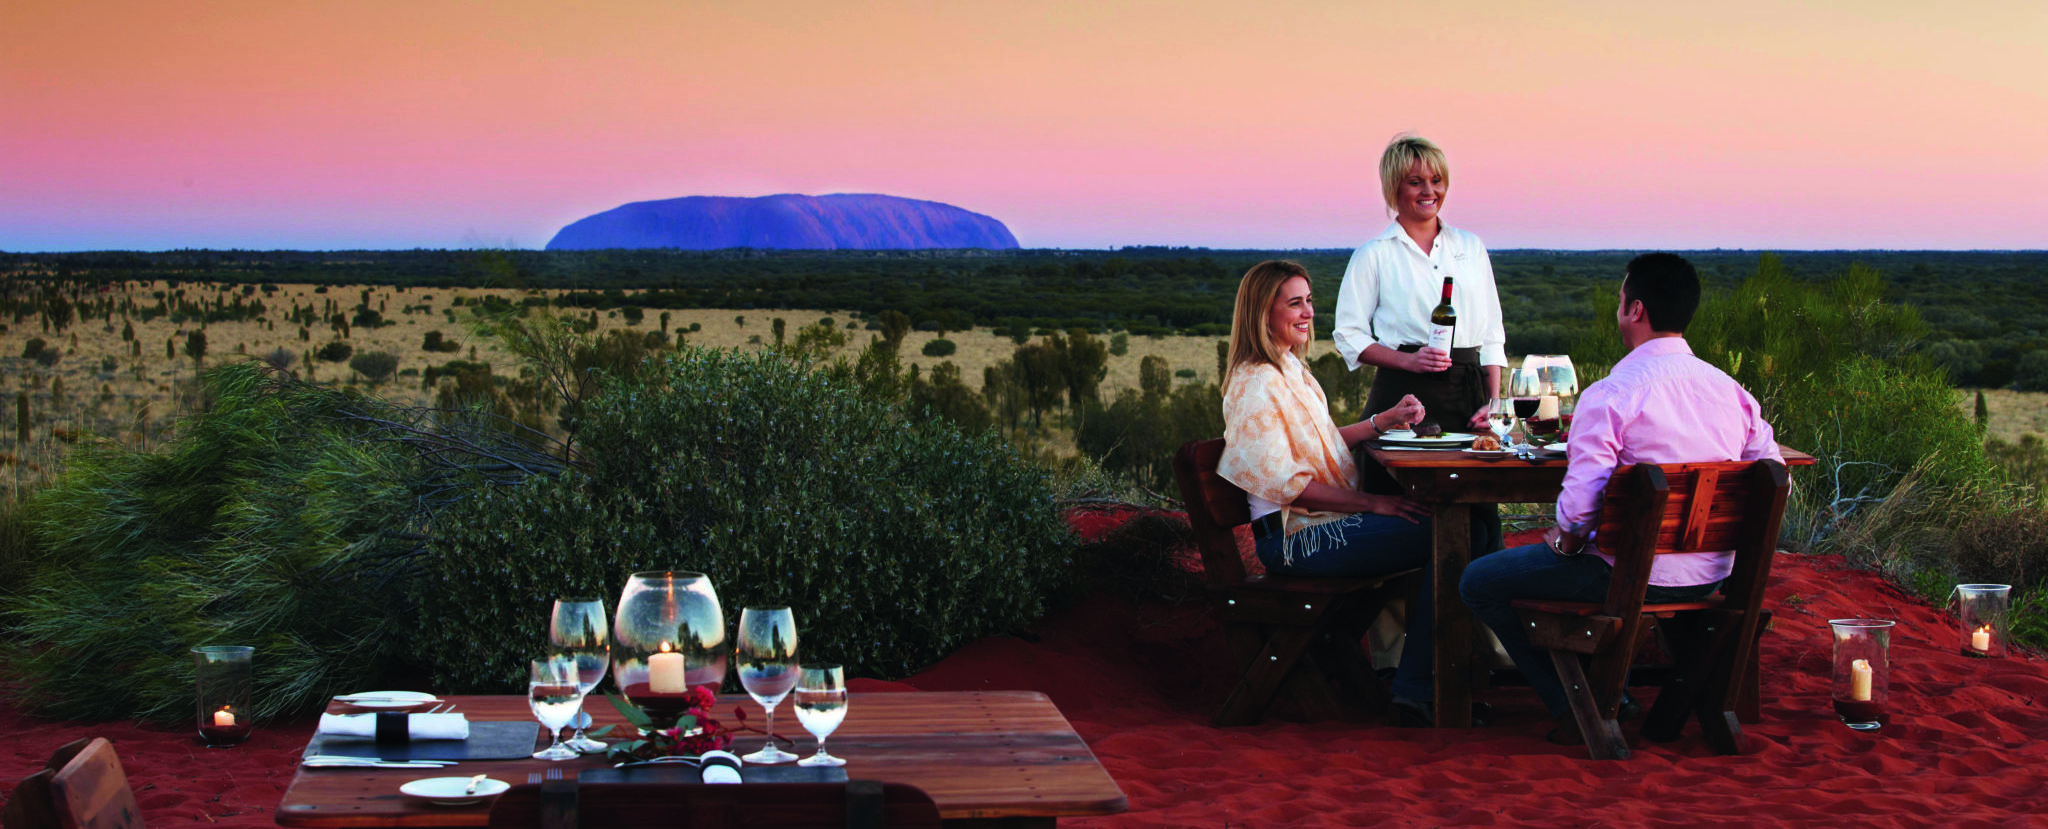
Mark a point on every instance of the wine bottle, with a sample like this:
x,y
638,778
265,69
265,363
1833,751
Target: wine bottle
x,y
1443,321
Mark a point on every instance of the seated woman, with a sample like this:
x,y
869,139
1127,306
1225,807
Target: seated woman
x,y
1282,448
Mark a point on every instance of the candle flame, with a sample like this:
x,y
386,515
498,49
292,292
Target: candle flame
x,y
665,648
1984,629
226,708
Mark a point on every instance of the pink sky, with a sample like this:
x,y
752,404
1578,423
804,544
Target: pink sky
x,y
432,123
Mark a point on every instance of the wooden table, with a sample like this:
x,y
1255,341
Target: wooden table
x,y
1448,481
1004,758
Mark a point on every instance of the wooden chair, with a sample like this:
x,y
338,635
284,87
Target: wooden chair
x,y
81,787
1277,623
1649,511
859,804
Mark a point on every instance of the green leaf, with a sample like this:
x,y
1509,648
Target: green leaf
x,y
631,712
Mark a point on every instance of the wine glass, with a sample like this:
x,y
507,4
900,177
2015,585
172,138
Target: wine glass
x,y
578,631
820,706
1525,385
767,659
556,696
1500,418
1564,382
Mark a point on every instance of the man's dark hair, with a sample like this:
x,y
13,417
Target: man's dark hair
x,y
1668,288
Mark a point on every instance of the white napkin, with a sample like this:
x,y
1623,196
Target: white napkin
x,y
419,726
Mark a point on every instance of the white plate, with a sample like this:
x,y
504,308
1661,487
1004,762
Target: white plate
x,y
1555,447
1398,434
1444,441
387,699
448,791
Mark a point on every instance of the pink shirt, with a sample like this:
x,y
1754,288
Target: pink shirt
x,y
1660,405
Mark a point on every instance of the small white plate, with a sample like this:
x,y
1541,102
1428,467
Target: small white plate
x,y
448,791
387,699
1555,447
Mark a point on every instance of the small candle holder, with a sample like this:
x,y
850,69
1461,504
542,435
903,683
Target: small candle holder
x,y
1982,611
222,678
1862,675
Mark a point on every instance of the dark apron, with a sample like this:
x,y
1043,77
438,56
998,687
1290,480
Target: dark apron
x,y
1449,399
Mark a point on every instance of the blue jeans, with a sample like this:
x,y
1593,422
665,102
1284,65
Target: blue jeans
x,y
1534,572
1365,546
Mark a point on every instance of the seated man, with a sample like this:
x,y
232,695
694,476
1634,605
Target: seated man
x,y
1660,405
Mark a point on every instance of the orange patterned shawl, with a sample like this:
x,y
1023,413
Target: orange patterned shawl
x,y
1278,436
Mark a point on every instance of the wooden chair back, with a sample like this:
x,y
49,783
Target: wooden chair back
x,y
30,806
1215,506
1654,510
862,804
91,791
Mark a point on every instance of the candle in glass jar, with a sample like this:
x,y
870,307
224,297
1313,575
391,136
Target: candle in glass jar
x,y
1859,680
1546,407
1981,640
665,672
223,718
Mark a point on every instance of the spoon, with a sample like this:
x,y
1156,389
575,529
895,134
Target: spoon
x,y
473,783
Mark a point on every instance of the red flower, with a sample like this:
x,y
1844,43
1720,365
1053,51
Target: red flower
x,y
701,697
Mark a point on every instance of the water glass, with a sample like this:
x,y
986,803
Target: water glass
x,y
821,706
556,695
1862,671
222,678
578,631
768,669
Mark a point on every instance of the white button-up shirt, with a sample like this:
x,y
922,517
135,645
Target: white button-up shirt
x,y
1391,286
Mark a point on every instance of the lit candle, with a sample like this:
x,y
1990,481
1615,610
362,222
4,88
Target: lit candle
x,y
1981,640
1859,680
223,718
1546,407
665,672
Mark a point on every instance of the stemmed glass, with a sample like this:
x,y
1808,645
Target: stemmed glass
x,y
767,657
1500,418
578,631
1564,382
821,706
1525,385
556,695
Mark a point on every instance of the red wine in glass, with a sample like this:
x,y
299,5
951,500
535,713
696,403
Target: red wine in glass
x,y
1525,407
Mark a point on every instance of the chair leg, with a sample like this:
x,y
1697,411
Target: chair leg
x,y
1263,676
1603,736
1692,660
1749,710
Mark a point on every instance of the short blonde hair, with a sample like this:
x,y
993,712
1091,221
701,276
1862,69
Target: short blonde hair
x,y
1406,149
1251,338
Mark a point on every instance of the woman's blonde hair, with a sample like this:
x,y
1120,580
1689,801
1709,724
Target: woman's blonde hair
x,y
1251,336
1406,149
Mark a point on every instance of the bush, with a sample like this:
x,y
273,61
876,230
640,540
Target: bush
x,y
897,539
374,366
435,342
940,348
335,352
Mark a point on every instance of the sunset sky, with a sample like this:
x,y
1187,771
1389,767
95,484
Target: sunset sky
x,y
434,123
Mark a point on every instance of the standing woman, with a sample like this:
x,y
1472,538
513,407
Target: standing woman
x,y
1390,288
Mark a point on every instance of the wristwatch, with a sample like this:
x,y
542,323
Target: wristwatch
x,y
1556,543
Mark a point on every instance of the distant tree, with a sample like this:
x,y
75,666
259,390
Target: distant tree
x,y
778,324
195,346
335,351
940,348
946,396
1084,361
33,348
1155,378
127,331
895,326
1983,414
634,314
368,318
374,366
1120,344
740,320
664,322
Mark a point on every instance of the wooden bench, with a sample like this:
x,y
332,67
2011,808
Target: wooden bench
x,y
1290,634
1648,511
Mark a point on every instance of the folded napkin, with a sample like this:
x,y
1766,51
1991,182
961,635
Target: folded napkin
x,y
396,727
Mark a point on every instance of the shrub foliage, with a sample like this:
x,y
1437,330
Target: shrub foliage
x,y
897,539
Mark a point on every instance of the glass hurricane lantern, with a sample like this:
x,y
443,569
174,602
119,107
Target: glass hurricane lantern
x,y
668,637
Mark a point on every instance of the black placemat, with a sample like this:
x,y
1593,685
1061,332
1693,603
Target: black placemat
x,y
679,773
488,740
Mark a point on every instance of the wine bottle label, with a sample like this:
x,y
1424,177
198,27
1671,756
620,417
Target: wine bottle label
x,y
1440,337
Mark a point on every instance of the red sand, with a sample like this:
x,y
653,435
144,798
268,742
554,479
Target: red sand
x,y
1139,680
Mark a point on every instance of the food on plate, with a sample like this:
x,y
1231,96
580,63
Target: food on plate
x,y
1486,443
1428,430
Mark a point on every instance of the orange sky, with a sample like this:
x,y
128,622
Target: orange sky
x,y
457,124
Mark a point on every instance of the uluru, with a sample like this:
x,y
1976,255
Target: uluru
x,y
841,221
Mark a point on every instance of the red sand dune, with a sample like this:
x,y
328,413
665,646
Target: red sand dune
x,y
1139,680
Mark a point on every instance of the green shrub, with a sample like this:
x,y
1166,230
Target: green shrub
x,y
335,352
374,366
256,526
940,348
897,539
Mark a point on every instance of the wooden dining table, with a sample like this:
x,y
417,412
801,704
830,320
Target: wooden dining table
x,y
987,758
1447,481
